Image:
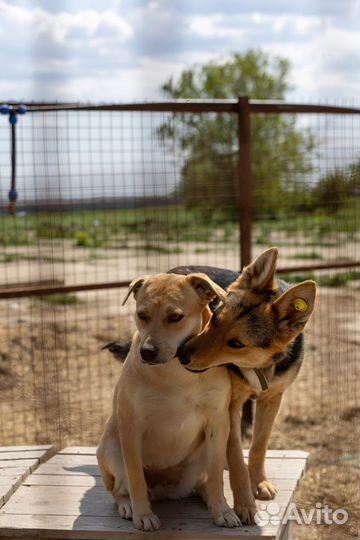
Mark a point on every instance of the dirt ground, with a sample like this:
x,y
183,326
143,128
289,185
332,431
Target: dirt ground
x,y
56,386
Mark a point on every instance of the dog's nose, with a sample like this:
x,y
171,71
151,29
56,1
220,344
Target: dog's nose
x,y
149,352
184,355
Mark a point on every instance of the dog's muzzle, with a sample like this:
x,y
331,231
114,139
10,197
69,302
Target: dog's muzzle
x,y
149,353
184,354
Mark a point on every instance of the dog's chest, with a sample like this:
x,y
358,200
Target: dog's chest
x,y
173,410
172,426
173,423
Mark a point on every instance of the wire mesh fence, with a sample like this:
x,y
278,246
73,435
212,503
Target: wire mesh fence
x,y
106,195
109,193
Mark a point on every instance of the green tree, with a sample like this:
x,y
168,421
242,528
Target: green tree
x,y
337,188
209,142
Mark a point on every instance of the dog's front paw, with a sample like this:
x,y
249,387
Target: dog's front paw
x,y
246,513
125,509
226,518
264,490
146,522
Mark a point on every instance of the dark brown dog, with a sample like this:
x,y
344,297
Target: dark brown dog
x,y
257,332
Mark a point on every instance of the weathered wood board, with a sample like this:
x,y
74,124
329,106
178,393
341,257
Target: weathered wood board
x,y
16,463
64,498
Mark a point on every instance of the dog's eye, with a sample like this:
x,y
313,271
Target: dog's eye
x,y
235,344
175,317
143,316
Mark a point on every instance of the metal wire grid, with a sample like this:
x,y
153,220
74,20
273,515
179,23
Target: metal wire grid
x,y
81,179
321,231
101,200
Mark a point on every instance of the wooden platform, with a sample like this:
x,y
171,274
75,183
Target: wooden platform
x,y
16,463
63,497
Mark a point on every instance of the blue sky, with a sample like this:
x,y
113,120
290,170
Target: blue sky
x,y
109,50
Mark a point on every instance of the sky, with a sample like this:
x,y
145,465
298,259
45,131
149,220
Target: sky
x,y
123,50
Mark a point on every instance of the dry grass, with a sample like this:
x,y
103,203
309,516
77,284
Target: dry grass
x,y
333,475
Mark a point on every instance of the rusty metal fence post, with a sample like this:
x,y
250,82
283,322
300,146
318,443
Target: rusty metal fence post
x,y
244,190
245,195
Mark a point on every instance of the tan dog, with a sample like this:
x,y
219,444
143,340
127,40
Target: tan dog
x,y
257,333
169,427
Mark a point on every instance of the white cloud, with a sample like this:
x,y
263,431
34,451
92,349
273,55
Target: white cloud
x,y
125,50
53,49
58,26
131,84
323,66
323,56
232,26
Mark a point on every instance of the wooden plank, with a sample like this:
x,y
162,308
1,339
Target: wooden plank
x,y
79,465
8,488
5,491
62,480
40,501
284,469
90,450
25,448
73,470
69,460
287,484
64,498
76,500
90,459
21,455
5,486
284,490
282,454
8,464
13,472
16,465
70,464
111,528
28,456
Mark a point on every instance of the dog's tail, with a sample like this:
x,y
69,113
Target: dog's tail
x,y
119,349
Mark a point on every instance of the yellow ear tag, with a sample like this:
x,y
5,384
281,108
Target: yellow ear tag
x,y
300,304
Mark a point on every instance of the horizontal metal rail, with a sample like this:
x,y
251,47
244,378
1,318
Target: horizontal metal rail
x,y
324,266
33,284
21,292
195,106
178,106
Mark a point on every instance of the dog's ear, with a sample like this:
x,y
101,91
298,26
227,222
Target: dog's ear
x,y
294,307
134,288
259,275
206,288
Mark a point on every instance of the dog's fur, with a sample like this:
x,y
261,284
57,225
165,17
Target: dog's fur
x,y
258,326
169,427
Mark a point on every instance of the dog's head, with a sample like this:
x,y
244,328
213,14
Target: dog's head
x,y
254,325
170,309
